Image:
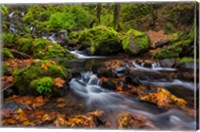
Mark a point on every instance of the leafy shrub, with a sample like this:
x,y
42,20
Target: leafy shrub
x,y
43,85
75,17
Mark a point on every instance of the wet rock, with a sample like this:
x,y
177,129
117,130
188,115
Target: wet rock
x,y
168,63
161,43
108,84
135,42
186,65
133,80
9,107
102,72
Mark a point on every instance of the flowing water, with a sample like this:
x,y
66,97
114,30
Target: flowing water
x,y
87,87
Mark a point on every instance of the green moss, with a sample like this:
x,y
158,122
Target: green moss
x,y
42,85
9,39
24,45
134,42
42,68
7,54
186,59
102,40
182,45
169,52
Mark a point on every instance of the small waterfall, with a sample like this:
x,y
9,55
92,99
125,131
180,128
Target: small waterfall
x,y
80,55
11,14
13,27
154,67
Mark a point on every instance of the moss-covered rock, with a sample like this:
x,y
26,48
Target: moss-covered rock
x,y
135,42
182,45
7,54
101,40
30,79
41,48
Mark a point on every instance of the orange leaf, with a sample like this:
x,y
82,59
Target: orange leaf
x,y
60,106
59,82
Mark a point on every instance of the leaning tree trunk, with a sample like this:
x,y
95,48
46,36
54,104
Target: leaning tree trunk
x,y
99,13
116,15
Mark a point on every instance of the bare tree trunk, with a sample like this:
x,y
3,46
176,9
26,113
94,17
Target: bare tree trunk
x,y
116,15
99,13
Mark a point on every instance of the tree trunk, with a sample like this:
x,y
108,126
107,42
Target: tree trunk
x,y
99,13
116,15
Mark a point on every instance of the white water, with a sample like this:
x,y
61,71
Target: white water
x,y
11,14
88,88
155,67
79,55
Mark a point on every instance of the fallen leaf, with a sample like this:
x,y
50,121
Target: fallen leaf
x,y
59,82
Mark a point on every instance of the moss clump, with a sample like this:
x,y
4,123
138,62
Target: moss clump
x,y
134,42
24,45
102,40
182,45
41,68
42,85
9,39
7,54
186,59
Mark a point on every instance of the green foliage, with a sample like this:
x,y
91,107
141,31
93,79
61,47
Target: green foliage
x,y
7,54
134,42
42,85
102,40
4,9
75,17
59,21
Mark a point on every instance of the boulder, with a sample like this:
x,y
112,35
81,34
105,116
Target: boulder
x,y
100,40
135,42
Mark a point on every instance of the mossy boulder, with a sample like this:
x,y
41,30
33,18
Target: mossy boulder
x,y
135,42
42,49
182,45
29,80
7,54
101,40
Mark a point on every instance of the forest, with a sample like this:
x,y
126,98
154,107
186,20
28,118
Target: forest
x,y
100,65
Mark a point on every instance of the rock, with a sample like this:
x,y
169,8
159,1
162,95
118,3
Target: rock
x,y
108,84
135,42
186,65
161,43
133,80
168,63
